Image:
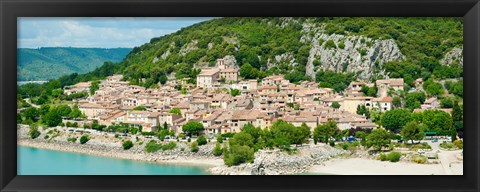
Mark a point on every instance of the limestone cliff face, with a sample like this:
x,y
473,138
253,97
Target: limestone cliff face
x,y
347,53
351,54
453,56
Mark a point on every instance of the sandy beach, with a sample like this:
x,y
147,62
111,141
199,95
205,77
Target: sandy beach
x,y
360,166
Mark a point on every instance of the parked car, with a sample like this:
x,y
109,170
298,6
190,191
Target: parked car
x,y
421,151
351,139
167,137
434,140
125,134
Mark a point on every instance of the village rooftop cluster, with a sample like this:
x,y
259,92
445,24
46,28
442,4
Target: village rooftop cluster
x,y
211,103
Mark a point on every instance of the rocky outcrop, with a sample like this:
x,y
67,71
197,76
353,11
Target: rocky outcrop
x,y
351,54
276,162
189,47
453,56
230,61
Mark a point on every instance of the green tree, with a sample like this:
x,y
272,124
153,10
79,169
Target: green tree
x,y
64,110
194,147
33,132
219,138
414,99
84,139
301,134
335,105
217,151
324,132
395,119
201,140
433,88
139,108
52,118
446,102
76,113
127,145
242,139
412,131
437,121
94,87
175,111
31,113
457,116
234,92
248,72
378,138
238,154
192,127
397,102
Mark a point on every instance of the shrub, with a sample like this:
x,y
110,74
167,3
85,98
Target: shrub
x,y
237,155
382,157
458,144
344,146
363,52
127,145
332,143
447,145
46,137
194,147
34,133
341,45
217,151
394,156
330,44
201,140
117,135
73,139
219,139
420,159
152,146
84,139
169,146
189,140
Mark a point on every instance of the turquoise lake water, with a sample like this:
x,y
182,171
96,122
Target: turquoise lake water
x,y
34,161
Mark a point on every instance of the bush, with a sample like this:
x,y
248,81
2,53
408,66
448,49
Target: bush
x,y
194,147
420,159
458,144
201,140
127,145
34,133
152,146
169,146
344,146
84,139
219,139
341,45
332,143
447,145
73,139
237,155
189,140
330,44
217,151
46,137
394,156
382,157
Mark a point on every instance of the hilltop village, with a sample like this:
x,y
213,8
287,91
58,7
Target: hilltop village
x,y
223,103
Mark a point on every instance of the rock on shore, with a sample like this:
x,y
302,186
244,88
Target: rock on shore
x,y
276,162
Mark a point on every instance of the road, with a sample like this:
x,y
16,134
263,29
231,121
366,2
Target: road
x,y
450,163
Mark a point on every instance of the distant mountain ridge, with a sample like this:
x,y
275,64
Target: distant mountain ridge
x,y
52,62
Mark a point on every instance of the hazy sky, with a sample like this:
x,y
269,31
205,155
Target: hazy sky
x,y
35,32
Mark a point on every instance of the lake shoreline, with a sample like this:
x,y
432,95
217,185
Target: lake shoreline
x,y
205,163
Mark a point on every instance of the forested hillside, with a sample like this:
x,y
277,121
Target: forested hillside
x,y
53,62
301,48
